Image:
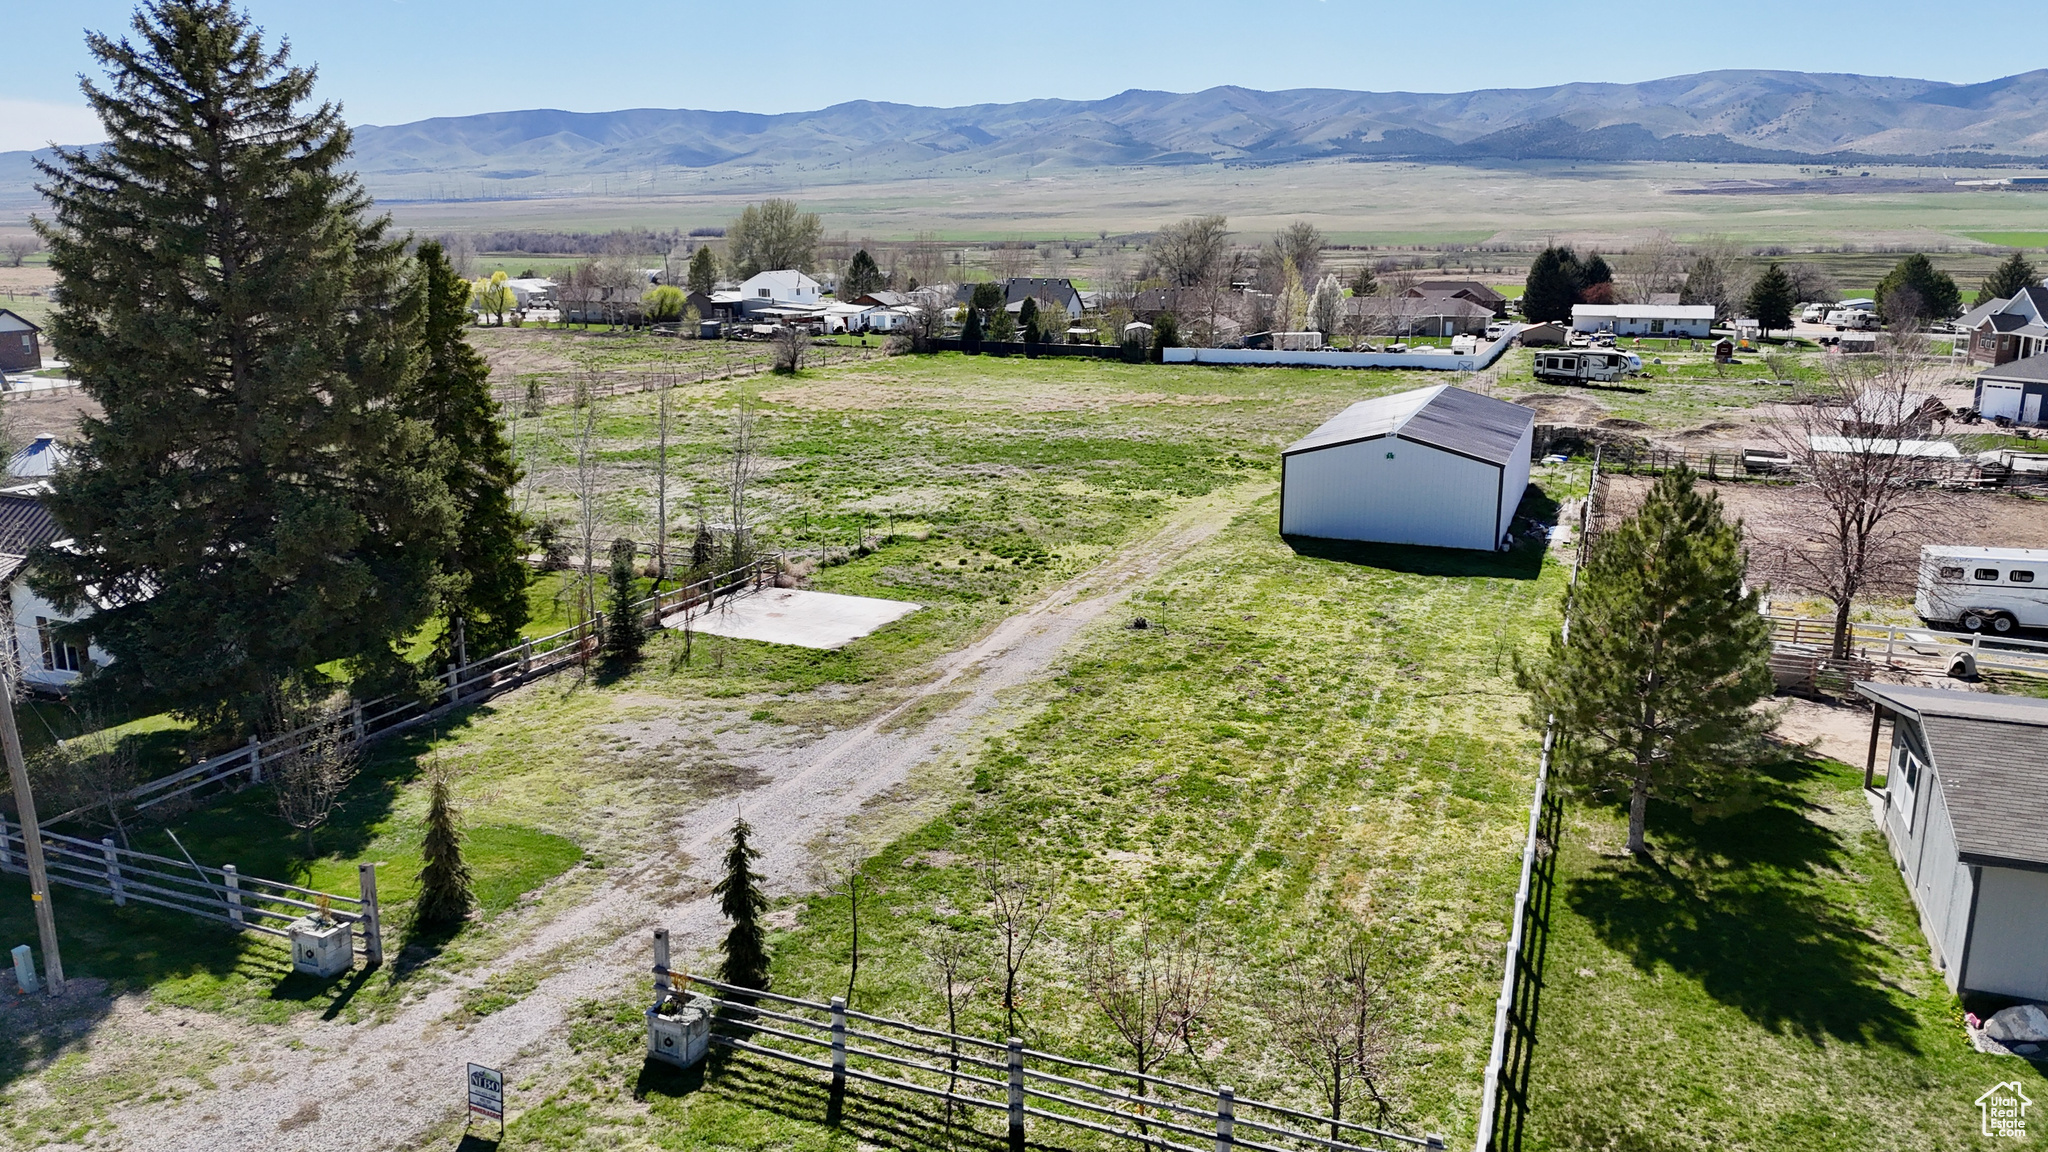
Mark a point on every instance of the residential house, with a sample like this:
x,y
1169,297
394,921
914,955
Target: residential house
x,y
1965,803
1048,291
2002,331
2014,391
1416,316
1153,303
597,304
47,663
1687,321
21,348
781,290
1471,290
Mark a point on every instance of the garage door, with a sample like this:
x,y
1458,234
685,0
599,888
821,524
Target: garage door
x,y
1999,400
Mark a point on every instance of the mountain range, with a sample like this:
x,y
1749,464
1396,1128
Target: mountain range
x,y
1719,117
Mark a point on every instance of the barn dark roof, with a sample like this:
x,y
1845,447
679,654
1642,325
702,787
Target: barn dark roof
x,y
1991,756
1442,417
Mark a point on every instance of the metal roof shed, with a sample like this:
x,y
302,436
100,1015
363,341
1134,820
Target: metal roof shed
x,y
1437,466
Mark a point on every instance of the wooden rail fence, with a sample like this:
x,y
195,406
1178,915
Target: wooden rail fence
x,y
1019,1083
1919,649
460,685
224,895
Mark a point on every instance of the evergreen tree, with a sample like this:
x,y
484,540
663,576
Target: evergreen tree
x,y
1165,334
970,332
2013,275
444,878
703,276
1916,290
1771,300
1002,327
1552,287
1364,284
740,901
1596,271
862,277
252,501
1654,693
1027,319
484,578
623,632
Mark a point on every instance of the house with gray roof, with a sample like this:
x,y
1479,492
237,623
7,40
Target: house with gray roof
x,y
1437,466
2006,330
2016,391
1965,809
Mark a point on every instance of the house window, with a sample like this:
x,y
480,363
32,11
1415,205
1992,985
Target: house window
x,y
761,292
1906,783
1950,573
57,655
1986,574
1656,326
2022,576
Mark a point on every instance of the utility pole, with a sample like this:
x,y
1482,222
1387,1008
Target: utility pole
x,y
32,839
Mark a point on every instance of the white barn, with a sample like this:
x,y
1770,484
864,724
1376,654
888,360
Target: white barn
x,y
1965,806
1437,466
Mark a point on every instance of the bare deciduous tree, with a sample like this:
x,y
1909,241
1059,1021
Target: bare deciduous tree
x,y
950,954
1652,268
1331,1016
1152,987
310,778
1300,244
741,466
94,768
20,248
1867,498
790,344
588,473
1020,900
1189,252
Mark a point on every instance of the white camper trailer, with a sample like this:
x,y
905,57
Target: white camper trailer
x,y
1569,367
1996,590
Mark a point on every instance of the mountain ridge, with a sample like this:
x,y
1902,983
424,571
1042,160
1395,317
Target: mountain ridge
x,y
1727,116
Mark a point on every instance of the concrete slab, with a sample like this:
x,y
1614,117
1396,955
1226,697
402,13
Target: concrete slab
x,y
797,617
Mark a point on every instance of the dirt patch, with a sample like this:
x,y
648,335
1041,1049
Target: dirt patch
x,y
1770,517
1618,424
1553,408
1837,731
54,412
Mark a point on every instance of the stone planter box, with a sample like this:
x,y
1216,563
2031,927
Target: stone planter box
x,y
679,1036
321,950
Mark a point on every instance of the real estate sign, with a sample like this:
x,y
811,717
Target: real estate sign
x,y
486,1093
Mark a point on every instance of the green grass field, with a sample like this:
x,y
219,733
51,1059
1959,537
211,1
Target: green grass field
x,y
1763,984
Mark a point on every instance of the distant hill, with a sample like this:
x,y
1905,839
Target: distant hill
x,y
1727,116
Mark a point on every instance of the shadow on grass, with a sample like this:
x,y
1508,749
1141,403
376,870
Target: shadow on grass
x,y
1523,561
1741,905
876,1116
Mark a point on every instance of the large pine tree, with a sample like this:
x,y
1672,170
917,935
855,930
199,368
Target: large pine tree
x,y
253,501
1771,300
485,574
1553,286
2013,275
1654,692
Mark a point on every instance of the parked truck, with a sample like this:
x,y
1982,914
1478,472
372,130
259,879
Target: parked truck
x,y
1994,590
1581,365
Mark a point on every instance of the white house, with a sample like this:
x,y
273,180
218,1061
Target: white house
x,y
1438,466
784,288
1690,321
46,662
1965,808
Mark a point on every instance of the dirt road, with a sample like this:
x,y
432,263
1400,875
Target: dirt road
x,y
397,1081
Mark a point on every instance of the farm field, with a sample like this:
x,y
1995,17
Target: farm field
x,y
1296,745
1763,985
1296,742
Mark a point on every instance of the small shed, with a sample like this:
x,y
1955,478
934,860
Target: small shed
x,y
1965,801
1549,334
1436,466
21,348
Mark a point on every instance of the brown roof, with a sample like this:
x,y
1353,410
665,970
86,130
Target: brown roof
x,y
1477,290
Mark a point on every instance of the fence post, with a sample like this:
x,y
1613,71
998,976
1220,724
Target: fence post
x,y
373,921
114,871
1226,1118
232,881
6,846
838,1044
525,657
255,760
355,722
454,678
1016,1094
662,988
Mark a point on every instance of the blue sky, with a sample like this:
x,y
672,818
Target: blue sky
x,y
390,61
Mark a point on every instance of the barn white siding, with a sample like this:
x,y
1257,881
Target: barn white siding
x,y
1514,480
1394,491
2009,949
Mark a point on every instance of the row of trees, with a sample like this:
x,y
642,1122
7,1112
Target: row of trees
x,y
1330,1010
297,460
